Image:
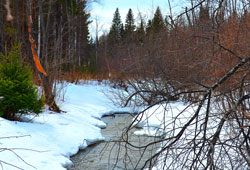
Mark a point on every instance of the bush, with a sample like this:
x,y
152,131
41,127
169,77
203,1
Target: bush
x,y
17,93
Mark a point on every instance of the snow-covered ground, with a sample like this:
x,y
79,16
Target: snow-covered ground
x,y
168,120
48,140
164,120
158,119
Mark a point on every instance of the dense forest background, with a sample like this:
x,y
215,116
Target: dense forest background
x,y
56,32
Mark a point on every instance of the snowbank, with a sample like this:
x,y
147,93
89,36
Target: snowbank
x,y
47,141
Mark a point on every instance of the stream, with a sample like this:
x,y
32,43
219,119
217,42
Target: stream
x,y
114,153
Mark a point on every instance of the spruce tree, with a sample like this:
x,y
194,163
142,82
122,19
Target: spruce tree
x,y
140,31
84,34
129,23
157,22
116,28
122,31
149,26
141,28
18,95
204,14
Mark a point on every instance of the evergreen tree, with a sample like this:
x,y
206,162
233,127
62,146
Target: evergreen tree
x,y
130,22
116,28
84,45
158,21
204,14
18,95
122,31
140,30
204,22
149,26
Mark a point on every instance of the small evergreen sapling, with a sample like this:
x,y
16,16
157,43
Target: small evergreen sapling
x,y
18,94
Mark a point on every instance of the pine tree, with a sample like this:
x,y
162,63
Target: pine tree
x,y
122,31
18,95
116,28
204,22
149,26
158,21
83,32
140,30
204,14
141,27
130,22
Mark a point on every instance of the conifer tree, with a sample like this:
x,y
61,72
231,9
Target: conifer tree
x,y
116,28
84,34
18,95
130,22
122,31
158,21
149,26
140,30
204,14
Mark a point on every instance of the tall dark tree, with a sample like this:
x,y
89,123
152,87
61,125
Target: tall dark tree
x,y
140,30
116,28
130,22
204,21
204,13
149,26
122,31
82,38
158,21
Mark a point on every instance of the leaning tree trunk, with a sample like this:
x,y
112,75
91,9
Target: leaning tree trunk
x,y
47,80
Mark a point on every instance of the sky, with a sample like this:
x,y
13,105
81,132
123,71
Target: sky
x,y
103,11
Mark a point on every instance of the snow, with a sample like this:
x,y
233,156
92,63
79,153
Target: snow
x,y
47,141
151,120
165,120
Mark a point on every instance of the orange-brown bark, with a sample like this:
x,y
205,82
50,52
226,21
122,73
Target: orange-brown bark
x,y
33,49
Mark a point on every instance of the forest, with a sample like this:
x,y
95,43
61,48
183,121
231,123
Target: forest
x,y
200,56
195,48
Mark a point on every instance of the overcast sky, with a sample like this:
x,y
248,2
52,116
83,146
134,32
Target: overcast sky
x,y
104,11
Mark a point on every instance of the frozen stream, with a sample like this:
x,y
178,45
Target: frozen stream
x,y
108,154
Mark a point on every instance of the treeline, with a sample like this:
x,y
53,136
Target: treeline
x,y
196,47
122,36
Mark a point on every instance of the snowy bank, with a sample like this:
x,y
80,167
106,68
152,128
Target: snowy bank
x,y
48,140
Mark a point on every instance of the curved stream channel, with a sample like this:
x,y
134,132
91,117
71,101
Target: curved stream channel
x,y
108,154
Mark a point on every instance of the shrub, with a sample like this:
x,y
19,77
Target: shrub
x,y
17,92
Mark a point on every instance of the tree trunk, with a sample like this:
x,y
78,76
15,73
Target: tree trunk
x,y
47,81
1,31
49,95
